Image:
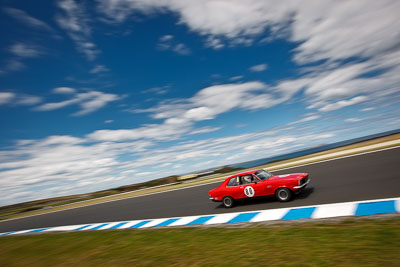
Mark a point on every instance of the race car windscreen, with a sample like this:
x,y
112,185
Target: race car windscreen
x,y
263,175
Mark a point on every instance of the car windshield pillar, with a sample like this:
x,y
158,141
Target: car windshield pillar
x,y
256,179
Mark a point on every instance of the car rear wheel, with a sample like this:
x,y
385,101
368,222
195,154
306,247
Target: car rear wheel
x,y
228,202
283,194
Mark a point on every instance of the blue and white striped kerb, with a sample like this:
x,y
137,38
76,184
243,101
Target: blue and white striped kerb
x,y
359,208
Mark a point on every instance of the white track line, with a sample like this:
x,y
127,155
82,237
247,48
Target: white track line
x,y
222,218
334,210
270,215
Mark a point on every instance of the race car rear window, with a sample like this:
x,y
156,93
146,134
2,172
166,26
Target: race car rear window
x,y
233,181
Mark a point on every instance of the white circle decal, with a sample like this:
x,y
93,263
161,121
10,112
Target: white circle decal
x,y
249,191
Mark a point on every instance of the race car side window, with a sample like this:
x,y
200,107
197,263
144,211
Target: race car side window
x,y
233,181
246,179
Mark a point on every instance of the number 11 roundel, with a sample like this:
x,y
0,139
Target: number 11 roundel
x,y
249,191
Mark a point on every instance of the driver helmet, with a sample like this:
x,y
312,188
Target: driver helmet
x,y
247,179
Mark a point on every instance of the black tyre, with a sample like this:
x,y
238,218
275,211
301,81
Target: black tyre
x,y
283,194
228,202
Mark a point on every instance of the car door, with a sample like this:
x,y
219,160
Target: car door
x,y
259,187
251,186
268,187
233,188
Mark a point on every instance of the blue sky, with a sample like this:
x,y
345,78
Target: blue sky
x,y
97,94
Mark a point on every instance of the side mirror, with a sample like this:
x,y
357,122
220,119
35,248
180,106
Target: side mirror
x,y
255,181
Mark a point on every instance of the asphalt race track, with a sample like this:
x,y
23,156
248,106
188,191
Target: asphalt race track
x,y
364,177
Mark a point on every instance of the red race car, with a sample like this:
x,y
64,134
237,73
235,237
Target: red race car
x,y
258,183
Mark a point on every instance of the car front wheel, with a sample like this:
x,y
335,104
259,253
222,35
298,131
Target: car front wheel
x,y
228,202
283,194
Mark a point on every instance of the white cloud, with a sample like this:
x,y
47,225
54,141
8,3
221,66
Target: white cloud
x,y
14,65
167,131
64,90
167,42
28,19
74,19
180,115
20,51
336,33
166,38
326,29
214,43
337,83
199,114
214,18
88,101
205,130
54,162
258,144
367,109
353,119
343,103
28,100
235,78
13,99
144,173
58,105
258,68
181,49
205,164
99,69
217,99
24,50
339,30
157,90
94,100
306,119
6,97
75,22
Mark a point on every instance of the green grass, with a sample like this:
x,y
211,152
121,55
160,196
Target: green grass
x,y
348,243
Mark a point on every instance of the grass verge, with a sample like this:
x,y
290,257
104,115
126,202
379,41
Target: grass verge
x,y
365,242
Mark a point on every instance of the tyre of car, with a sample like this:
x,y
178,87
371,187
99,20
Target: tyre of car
x,y
283,194
228,202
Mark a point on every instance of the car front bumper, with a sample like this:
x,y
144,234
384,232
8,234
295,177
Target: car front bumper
x,y
299,187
